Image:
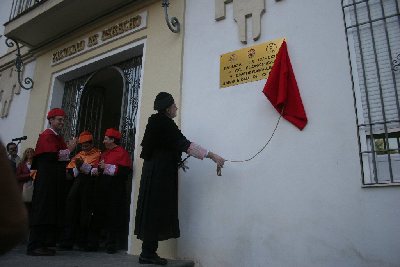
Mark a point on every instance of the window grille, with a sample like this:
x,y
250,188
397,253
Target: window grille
x,y
90,118
373,41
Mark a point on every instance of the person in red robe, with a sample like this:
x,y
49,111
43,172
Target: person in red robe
x,y
48,200
24,173
114,170
80,199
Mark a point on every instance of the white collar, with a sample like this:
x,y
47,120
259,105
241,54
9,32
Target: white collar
x,y
53,131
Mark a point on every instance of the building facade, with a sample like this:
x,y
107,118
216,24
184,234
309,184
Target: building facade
x,y
324,196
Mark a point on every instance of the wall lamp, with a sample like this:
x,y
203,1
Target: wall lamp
x,y
19,65
173,24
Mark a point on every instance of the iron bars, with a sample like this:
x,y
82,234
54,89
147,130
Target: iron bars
x,y
396,63
373,33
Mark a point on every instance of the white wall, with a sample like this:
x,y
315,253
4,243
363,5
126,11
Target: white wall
x,y
13,125
300,202
5,9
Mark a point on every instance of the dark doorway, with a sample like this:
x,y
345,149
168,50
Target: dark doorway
x,y
101,102
103,99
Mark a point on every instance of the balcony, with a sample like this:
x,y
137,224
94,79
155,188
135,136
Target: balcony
x,y
39,22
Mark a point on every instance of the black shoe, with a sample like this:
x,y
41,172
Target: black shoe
x,y
64,247
111,250
52,250
41,252
157,260
91,248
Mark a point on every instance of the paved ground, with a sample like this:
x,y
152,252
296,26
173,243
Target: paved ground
x,y
18,258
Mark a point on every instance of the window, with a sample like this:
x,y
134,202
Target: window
x,y
373,39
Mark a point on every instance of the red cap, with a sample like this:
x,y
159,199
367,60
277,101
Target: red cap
x,y
85,137
55,112
111,132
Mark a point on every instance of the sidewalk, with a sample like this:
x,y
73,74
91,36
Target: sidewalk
x,y
18,258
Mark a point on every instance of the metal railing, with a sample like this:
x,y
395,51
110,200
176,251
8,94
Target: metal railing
x,y
20,7
373,42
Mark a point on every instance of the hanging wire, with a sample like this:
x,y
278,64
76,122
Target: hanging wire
x,y
269,140
181,164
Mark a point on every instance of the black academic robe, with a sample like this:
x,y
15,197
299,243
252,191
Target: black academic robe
x,y
157,206
110,202
48,200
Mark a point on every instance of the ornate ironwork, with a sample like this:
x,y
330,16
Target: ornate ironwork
x,y
396,63
132,71
71,102
84,105
19,64
173,24
91,109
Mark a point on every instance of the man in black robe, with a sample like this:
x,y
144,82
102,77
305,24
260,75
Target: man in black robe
x,y
48,200
157,206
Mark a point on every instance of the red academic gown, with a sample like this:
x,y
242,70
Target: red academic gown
x,y
110,212
49,193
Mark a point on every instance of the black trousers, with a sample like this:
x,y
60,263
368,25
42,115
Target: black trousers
x,y
71,214
42,236
108,210
149,248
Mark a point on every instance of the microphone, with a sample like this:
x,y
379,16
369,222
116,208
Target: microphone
x,y
20,138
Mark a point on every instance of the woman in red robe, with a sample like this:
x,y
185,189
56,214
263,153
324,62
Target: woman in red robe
x,y
114,170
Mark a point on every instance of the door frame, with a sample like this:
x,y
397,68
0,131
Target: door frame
x,y
59,78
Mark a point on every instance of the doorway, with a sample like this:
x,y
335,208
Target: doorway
x,y
106,98
100,103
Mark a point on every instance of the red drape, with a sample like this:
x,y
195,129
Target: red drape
x,y
282,91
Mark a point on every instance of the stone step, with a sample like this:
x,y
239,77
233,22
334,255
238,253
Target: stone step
x,y
18,258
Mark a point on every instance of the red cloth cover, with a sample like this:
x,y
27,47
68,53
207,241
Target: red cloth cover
x,y
282,91
117,156
55,112
111,132
49,142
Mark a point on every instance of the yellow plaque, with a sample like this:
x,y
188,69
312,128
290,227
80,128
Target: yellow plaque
x,y
248,64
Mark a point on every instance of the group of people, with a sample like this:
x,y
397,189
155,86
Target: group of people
x,y
96,196
91,206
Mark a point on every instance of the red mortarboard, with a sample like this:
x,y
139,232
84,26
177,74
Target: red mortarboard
x,y
55,112
111,132
85,137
